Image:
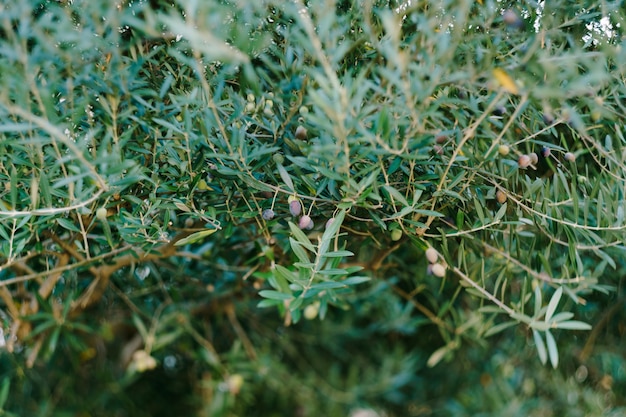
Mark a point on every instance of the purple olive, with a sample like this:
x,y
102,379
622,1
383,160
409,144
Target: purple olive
x,y
305,222
329,222
268,214
295,208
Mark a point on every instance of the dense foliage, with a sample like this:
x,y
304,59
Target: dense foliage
x,y
365,207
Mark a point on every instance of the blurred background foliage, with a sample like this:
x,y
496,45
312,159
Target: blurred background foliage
x,y
169,170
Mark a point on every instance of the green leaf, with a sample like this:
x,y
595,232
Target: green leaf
x,y
330,232
4,391
396,195
338,254
553,353
541,347
285,177
538,301
572,325
499,327
66,224
195,237
554,301
301,237
275,295
300,253
355,280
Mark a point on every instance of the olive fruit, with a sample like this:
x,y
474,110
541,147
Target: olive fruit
x,y
523,161
268,214
278,158
569,157
545,152
295,208
432,255
305,222
329,222
301,133
504,150
533,158
438,270
500,197
396,235
101,213
310,311
303,110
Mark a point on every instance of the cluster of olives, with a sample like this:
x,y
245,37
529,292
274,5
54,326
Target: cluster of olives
x,y
295,208
434,266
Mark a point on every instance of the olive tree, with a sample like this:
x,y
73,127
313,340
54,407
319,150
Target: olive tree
x,y
267,204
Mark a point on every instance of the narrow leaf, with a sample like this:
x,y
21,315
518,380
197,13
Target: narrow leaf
x,y
195,237
573,325
553,353
554,301
285,177
541,347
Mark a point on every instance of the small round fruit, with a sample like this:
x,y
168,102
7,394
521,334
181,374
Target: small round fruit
x,y
268,214
533,158
269,104
523,161
504,150
295,208
303,110
278,158
432,255
439,270
569,157
305,222
329,222
250,107
268,112
234,383
251,97
438,149
301,133
310,311
101,213
500,196
545,152
511,18
396,234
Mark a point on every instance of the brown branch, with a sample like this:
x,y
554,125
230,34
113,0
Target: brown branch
x,y
102,274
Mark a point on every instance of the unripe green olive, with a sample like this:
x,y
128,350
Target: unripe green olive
x,y
101,213
278,158
504,150
303,110
533,158
311,311
250,107
569,157
396,235
251,97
